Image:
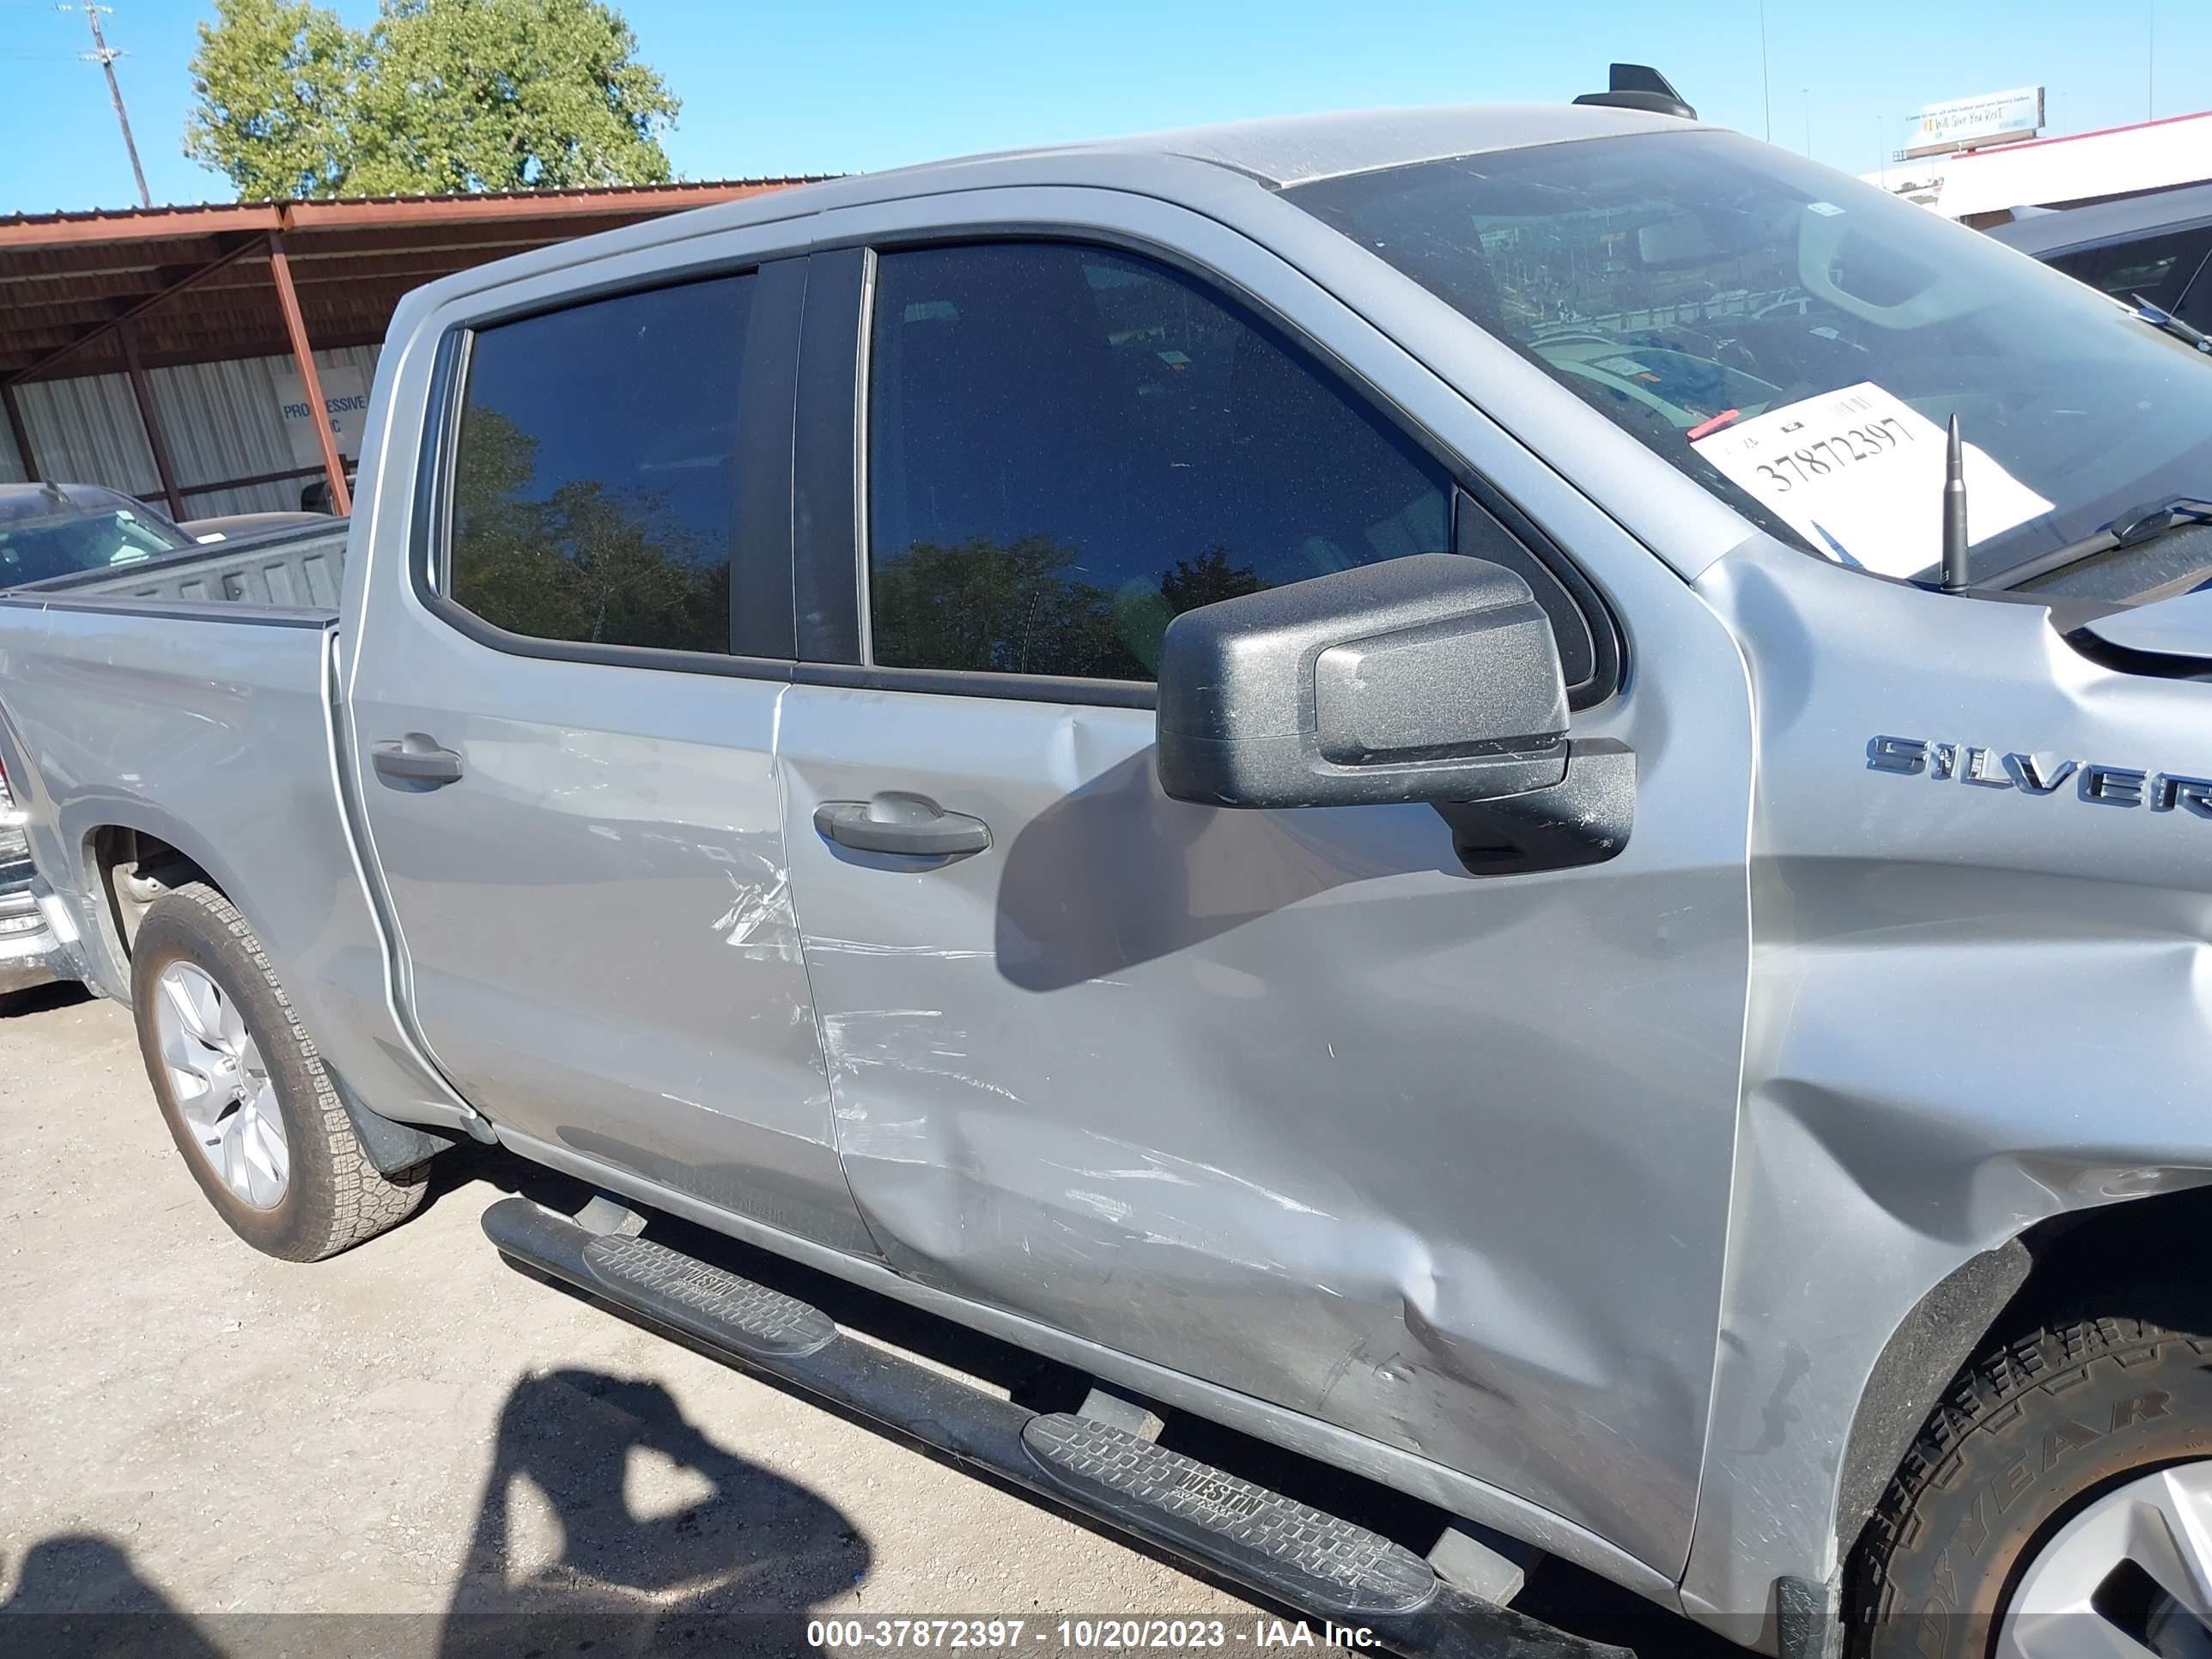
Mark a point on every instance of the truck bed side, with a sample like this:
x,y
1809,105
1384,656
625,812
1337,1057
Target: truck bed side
x,y
291,568
206,728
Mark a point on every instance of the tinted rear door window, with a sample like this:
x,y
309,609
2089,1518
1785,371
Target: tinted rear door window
x,y
595,480
1069,445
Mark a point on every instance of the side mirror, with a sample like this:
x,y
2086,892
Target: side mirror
x,y
1430,678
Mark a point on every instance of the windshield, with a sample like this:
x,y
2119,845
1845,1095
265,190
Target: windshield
x,y
1795,341
31,549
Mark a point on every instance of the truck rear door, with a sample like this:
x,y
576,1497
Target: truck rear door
x,y
563,700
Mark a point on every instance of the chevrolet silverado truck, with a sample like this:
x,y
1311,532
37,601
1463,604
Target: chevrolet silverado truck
x,y
1518,799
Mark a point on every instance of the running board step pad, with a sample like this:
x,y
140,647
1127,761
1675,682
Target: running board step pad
x,y
705,1301
1241,1531
1309,1559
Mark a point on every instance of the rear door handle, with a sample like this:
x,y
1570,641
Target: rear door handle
x,y
415,759
913,826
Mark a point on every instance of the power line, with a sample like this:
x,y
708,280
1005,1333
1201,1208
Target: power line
x,y
105,56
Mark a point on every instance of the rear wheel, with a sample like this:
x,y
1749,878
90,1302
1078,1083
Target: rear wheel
x,y
2058,1505
247,1099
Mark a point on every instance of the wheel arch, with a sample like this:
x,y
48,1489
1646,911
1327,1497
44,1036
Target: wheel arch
x,y
2064,1261
1936,1337
123,863
131,868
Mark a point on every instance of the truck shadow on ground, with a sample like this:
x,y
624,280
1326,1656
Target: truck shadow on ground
x,y
41,999
558,1561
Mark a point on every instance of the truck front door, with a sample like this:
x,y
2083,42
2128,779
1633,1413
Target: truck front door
x,y
563,703
1288,1101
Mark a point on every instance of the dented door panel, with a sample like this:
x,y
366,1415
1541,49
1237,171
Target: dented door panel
x,y
599,921
1288,1101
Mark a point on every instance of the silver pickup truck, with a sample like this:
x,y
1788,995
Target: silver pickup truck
x,y
1379,778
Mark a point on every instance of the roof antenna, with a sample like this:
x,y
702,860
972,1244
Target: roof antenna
x,y
1954,513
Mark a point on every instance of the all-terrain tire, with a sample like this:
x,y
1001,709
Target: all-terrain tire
x,y
335,1196
2031,1431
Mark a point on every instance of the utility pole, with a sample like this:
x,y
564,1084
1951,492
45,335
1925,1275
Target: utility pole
x,y
105,56
2150,65
1765,80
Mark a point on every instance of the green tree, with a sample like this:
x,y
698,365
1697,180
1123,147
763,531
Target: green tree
x,y
435,96
277,83
511,95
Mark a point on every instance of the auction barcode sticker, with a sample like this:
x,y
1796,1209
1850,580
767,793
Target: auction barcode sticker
x,y
1859,474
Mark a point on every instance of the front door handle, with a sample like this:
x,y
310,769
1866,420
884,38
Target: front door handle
x,y
913,826
415,760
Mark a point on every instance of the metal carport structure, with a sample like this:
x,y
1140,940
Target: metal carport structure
x,y
129,291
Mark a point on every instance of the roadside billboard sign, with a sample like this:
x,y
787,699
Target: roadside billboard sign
x,y
1995,118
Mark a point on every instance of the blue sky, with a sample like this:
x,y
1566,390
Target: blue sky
x,y
842,85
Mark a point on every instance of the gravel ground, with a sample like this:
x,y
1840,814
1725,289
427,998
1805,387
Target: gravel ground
x,y
413,1449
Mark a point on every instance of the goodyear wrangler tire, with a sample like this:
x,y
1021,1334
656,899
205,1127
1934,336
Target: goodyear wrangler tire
x,y
2035,1488
246,1097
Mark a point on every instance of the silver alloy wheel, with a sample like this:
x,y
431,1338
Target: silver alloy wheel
x,y
222,1085
2161,1524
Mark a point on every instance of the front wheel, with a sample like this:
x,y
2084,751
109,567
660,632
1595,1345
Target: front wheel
x,y
247,1097
2058,1506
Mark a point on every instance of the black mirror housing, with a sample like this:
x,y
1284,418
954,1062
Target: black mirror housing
x,y
1429,678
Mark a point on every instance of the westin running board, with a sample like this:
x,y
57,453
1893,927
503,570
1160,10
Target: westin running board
x,y
1278,1548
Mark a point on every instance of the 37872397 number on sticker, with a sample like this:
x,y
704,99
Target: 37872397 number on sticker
x,y
1817,457
1858,474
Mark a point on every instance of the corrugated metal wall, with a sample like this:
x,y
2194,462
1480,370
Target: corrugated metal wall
x,y
222,421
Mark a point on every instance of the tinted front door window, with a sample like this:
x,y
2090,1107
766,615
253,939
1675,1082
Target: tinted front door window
x,y
1069,445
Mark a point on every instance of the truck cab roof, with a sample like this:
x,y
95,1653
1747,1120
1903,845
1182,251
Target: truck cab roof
x,y
1276,153
1280,151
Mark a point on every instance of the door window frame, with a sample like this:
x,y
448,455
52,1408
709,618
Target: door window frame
x,y
761,635
830,517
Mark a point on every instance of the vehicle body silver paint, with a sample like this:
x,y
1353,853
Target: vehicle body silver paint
x,y
1933,956
211,734
1619,1300
599,920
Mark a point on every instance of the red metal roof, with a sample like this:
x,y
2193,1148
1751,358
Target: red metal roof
x,y
195,284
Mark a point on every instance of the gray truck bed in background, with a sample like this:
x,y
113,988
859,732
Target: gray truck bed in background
x,y
299,569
